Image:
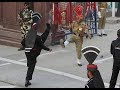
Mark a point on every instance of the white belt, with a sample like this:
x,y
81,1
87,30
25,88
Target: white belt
x,y
102,8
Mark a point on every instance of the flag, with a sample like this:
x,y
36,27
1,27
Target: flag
x,y
78,10
57,15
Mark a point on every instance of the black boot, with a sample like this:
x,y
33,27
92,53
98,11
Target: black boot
x,y
27,83
21,48
105,34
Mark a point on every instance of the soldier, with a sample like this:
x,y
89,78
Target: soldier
x,y
33,54
102,7
34,43
78,28
95,79
115,51
25,21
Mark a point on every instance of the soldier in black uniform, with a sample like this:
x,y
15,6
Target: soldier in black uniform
x,y
95,79
115,51
33,54
33,46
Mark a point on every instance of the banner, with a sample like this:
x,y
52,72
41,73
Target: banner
x,y
78,10
57,15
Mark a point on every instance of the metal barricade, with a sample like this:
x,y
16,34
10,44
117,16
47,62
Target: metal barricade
x,y
91,17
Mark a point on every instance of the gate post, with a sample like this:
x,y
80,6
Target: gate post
x,y
56,33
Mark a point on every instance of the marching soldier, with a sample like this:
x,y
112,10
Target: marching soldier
x,y
78,28
102,7
25,22
95,79
32,55
34,43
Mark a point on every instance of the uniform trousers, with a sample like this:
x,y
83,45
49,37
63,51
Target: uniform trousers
x,y
78,40
115,72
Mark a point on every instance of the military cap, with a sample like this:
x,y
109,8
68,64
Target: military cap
x,y
90,53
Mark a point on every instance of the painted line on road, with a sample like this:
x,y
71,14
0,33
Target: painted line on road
x,y
52,52
21,60
102,60
4,64
10,86
51,71
47,54
97,61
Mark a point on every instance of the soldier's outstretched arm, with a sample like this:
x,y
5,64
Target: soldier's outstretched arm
x,y
87,31
111,48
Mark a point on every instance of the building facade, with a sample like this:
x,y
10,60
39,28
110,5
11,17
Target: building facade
x,y
9,28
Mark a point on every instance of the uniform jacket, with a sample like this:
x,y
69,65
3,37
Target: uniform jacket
x,y
26,22
90,84
102,5
77,28
39,45
33,41
96,81
115,51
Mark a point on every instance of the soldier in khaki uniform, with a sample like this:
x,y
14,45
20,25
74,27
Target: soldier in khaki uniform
x,y
78,28
25,22
102,7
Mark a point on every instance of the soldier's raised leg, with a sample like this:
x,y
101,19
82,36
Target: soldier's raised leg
x,y
46,33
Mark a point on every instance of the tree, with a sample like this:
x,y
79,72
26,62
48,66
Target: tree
x,y
118,10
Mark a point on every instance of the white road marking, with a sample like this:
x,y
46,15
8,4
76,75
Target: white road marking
x,y
4,64
102,60
11,86
51,71
46,54
97,61
53,52
21,60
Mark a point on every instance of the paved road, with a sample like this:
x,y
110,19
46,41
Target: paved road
x,y
57,69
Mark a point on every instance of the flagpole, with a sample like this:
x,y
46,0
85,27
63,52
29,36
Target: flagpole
x,y
53,13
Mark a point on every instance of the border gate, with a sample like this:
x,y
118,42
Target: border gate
x,y
65,12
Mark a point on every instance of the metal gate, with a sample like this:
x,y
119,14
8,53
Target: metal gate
x,y
91,17
62,15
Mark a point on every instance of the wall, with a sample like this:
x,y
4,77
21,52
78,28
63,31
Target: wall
x,y
10,33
